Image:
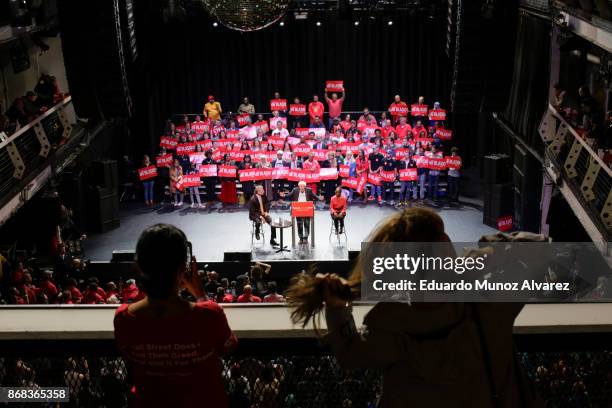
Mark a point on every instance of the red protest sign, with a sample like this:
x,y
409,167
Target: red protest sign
x,y
207,170
328,173
146,173
444,134
334,86
504,223
164,160
297,109
277,141
437,163
243,120
319,154
206,144
344,170
350,182
400,153
387,175
168,143
408,174
418,109
199,127
374,179
361,183
274,122
301,150
453,162
280,173
191,180
437,114
278,105
302,132
185,148
226,171
247,174
318,132
309,177
398,109
196,157
263,126
349,147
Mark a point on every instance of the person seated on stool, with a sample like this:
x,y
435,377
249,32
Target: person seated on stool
x,y
258,213
302,193
337,208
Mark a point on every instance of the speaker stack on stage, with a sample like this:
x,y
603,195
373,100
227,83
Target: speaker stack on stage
x,y
498,192
527,175
102,200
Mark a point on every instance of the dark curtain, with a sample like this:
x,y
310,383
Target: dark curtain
x,y
188,61
529,91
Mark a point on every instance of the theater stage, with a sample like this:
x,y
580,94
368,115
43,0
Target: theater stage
x,y
213,233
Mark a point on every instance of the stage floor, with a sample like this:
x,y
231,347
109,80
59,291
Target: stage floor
x,y
213,233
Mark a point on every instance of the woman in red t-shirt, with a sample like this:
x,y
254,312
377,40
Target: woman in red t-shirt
x,y
172,346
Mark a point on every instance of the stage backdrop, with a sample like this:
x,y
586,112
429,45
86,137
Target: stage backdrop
x,y
186,62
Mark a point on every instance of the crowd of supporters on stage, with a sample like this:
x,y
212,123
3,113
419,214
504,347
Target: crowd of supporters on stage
x,y
369,155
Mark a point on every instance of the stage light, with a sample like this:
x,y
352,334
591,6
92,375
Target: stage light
x,y
215,24
390,23
318,24
282,23
356,23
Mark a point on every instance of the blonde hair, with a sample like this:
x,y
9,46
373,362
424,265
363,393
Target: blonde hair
x,y
305,294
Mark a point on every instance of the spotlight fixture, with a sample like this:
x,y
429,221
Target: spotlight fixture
x,y
390,23
282,24
215,24
356,23
318,23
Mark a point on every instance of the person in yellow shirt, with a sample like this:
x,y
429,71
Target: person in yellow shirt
x,y
212,109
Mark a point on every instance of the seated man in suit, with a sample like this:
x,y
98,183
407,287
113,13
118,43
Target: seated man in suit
x,y
303,193
258,212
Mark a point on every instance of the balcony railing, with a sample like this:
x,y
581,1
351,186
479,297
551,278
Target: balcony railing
x,y
27,153
584,177
79,353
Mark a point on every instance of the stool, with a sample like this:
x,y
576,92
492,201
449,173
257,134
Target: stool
x,y
129,191
332,232
262,235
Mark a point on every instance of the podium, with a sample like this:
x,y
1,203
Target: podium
x,y
302,209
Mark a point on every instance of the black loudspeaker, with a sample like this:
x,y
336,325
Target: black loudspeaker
x,y
124,255
237,257
104,173
103,209
497,169
527,176
93,56
498,203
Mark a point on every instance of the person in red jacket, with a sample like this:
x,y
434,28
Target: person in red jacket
x,y
315,109
248,296
334,106
398,109
173,347
91,295
337,209
130,291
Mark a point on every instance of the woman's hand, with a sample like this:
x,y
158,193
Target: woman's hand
x,y
336,291
192,281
